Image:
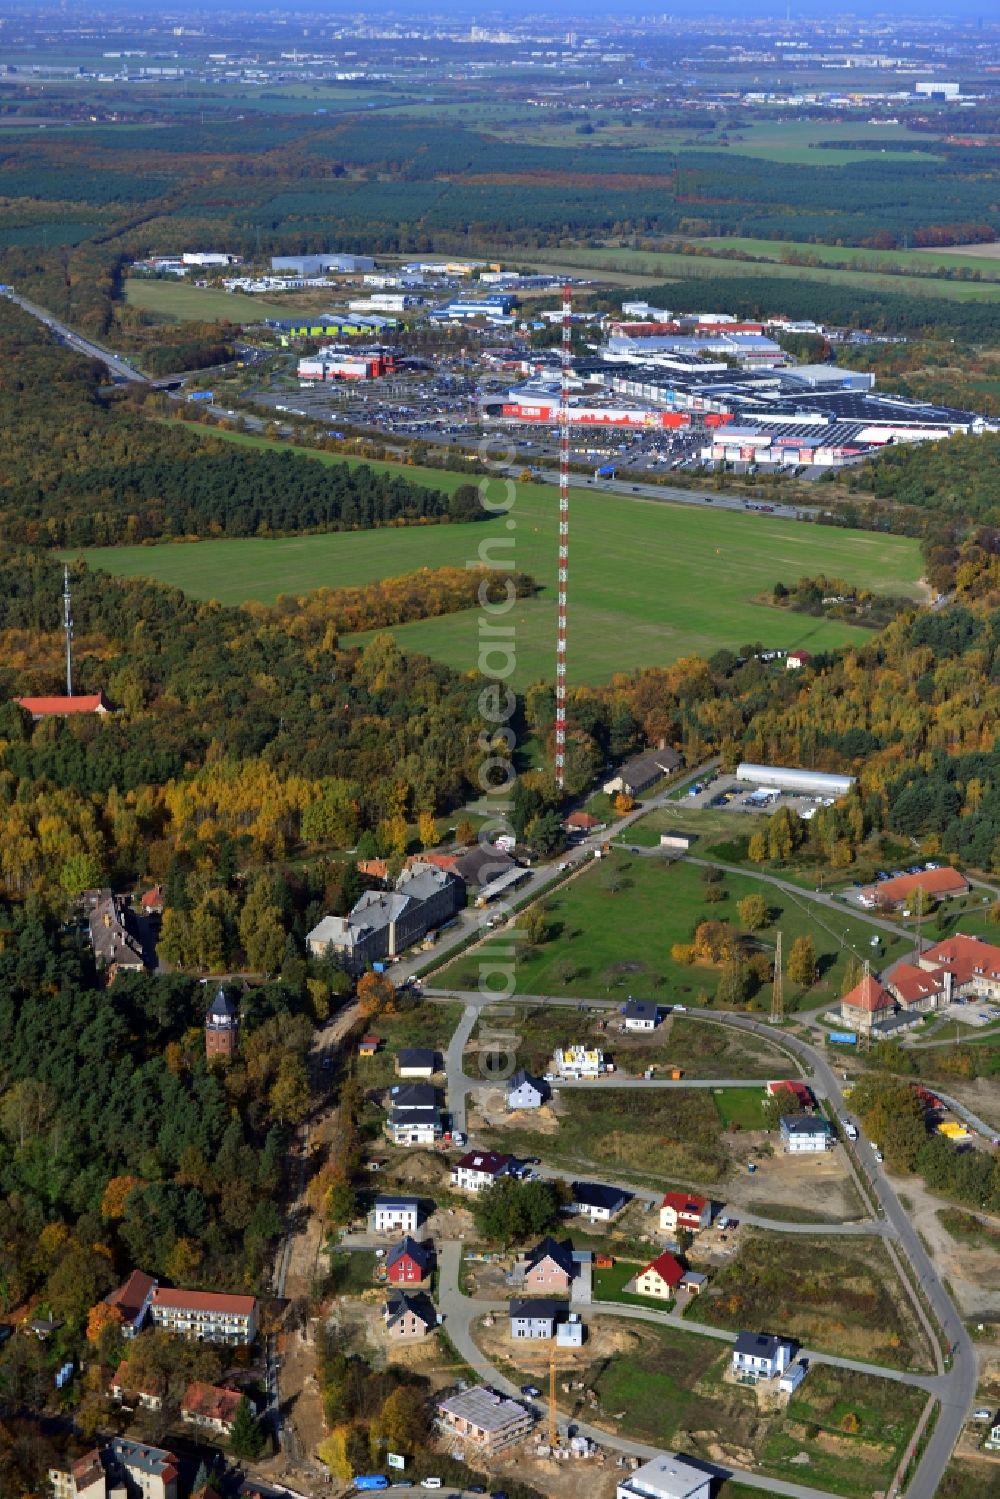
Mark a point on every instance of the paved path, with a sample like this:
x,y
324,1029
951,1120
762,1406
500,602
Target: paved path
x,y
460,1312
112,362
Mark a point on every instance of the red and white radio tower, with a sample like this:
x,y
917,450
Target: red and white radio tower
x,y
567,357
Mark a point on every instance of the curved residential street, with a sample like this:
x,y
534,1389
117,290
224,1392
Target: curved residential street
x,y
954,1387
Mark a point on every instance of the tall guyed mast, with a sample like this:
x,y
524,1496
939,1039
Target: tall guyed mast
x,y
567,355
68,630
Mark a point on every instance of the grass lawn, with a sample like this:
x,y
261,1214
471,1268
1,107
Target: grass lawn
x,y
608,1284
854,1427
658,1139
740,1106
180,301
666,1388
928,260
352,1272
613,927
841,1297
966,1228
699,1048
652,582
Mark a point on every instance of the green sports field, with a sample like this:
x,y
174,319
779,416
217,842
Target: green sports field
x,y
650,582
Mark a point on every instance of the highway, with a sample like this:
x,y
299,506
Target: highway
x,y
112,362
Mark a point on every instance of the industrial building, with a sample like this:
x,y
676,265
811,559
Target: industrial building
x,y
314,265
815,783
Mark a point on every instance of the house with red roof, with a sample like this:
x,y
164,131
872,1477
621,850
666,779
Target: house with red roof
x,y
684,1210
582,822
65,707
211,1406
915,988
787,1088
866,1004
131,1392
897,894
965,965
660,1278
132,1298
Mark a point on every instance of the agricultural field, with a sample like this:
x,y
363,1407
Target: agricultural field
x,y
652,581
667,266
987,257
852,1428
837,1296
611,930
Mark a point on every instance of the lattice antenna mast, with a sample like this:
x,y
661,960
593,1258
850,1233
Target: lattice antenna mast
x,y
778,991
567,358
68,631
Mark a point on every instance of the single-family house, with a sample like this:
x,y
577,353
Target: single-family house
x,y
132,1299
484,1420
787,1088
693,1282
414,1115
368,1046
396,1215
151,901
116,945
684,1210
415,1061
993,1436
146,1472
207,1315
479,1169
597,1202
581,822
570,1331
408,1316
525,1091
408,1262
795,660
129,1391
549,1267
660,1278
666,1476
643,771
579,1061
535,1316
805,1132
642,1015
82,1479
210,1406
761,1355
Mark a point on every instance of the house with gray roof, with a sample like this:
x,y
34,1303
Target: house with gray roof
x,y
525,1091
643,771
383,923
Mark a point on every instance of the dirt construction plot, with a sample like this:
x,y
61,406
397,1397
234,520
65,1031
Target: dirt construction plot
x,y
810,1186
972,1272
488,1110
604,1339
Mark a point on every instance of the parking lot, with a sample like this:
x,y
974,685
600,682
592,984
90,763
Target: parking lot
x,y
725,793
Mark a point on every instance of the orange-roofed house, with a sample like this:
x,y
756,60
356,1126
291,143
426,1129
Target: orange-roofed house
x,y
65,707
131,1392
866,1004
660,1278
210,1406
788,1087
896,895
966,966
209,1316
915,988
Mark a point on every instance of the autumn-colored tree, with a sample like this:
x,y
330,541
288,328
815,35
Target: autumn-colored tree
x,y
116,1194
752,911
376,995
427,829
465,833
802,962
336,1453
319,998
183,1260
757,848
623,803
683,952
289,1098
402,1421
101,1317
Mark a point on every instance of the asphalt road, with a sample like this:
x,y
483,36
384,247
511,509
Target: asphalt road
x,y
117,366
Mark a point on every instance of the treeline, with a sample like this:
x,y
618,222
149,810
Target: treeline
x,y
389,601
102,474
893,1114
956,479
834,598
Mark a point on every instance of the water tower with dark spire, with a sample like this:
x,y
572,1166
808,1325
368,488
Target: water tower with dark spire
x,y
222,1023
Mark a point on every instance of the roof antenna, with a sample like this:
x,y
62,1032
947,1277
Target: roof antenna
x,y
68,629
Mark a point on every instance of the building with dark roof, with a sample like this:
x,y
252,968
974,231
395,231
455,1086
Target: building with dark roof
x,y
221,1026
596,1201
643,771
132,1299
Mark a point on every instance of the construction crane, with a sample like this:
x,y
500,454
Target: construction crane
x,y
553,1412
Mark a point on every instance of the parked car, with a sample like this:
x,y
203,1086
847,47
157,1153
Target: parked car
x,y
531,1390
430,1483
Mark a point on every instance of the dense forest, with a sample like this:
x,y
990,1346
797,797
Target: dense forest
x,y
104,473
